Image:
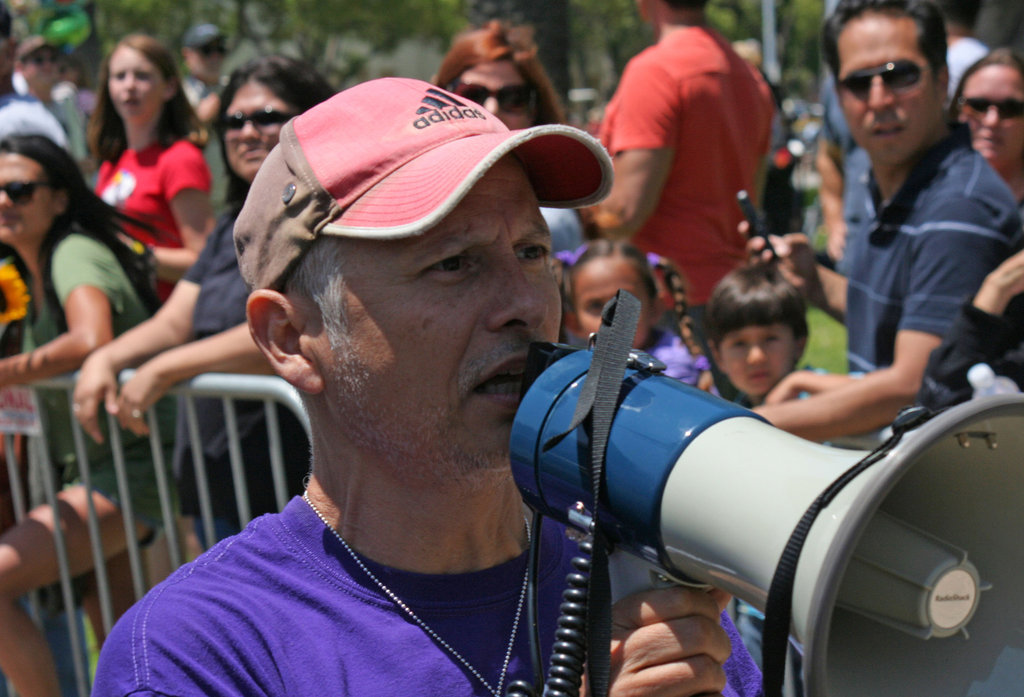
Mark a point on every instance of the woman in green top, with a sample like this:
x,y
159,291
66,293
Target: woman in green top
x,y
85,287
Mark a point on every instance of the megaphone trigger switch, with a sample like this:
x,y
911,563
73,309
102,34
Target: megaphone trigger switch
x,y
640,360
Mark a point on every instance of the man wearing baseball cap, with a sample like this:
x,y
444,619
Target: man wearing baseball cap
x,y
36,61
203,49
399,267
21,114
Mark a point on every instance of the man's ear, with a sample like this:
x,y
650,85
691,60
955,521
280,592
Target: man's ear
x,y
280,328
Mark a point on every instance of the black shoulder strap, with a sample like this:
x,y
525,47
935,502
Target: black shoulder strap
x,y
779,606
598,401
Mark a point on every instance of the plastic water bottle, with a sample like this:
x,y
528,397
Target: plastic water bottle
x,y
985,381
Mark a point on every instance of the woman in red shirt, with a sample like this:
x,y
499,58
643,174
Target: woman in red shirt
x,y
147,139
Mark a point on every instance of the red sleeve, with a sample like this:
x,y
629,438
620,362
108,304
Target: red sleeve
x,y
645,113
182,166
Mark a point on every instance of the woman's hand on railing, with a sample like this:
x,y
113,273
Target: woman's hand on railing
x,y
95,387
138,394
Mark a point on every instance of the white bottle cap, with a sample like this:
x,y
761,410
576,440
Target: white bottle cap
x,y
980,375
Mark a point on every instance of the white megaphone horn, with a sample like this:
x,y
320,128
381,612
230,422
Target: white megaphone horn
x,y
910,582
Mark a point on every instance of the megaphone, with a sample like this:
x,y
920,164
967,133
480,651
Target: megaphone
x,y
910,581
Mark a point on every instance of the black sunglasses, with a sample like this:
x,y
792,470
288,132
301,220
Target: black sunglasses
x,y
21,192
268,116
210,49
898,76
1007,108
509,98
41,58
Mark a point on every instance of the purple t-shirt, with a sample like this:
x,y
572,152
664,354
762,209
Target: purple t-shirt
x,y
281,609
680,364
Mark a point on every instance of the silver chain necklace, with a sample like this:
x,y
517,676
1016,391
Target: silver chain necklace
x,y
497,692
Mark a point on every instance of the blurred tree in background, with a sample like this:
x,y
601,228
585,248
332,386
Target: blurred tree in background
x,y
583,43
336,35
798,30
550,22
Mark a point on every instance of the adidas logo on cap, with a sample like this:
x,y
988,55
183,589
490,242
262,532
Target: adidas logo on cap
x,y
439,107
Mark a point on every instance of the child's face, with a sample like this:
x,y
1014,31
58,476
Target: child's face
x,y
595,284
755,358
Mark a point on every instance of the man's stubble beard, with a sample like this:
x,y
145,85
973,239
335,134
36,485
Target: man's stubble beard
x,y
422,447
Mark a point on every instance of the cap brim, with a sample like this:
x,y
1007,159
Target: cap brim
x,y
30,45
566,167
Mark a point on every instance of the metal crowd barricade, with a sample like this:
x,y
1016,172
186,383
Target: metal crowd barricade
x,y
44,485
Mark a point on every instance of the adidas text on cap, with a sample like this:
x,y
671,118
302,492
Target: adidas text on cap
x,y
390,158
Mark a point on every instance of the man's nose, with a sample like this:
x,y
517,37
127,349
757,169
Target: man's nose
x,y
521,298
879,94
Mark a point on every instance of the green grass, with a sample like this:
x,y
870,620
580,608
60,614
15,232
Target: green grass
x,y
826,344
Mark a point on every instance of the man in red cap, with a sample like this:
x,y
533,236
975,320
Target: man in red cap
x,y
400,269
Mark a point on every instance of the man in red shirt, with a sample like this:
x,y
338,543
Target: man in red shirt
x,y
688,127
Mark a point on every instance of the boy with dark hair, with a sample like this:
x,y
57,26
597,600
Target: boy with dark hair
x,y
756,324
757,329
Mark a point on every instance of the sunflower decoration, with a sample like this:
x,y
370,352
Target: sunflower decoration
x,y
13,293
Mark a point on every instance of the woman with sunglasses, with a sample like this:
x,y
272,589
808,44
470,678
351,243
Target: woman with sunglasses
x,y
990,98
83,286
497,67
202,326
147,139
990,328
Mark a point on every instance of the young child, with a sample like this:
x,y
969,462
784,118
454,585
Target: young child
x,y
757,329
592,275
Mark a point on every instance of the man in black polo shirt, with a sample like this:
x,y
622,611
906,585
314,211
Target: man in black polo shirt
x,y
942,219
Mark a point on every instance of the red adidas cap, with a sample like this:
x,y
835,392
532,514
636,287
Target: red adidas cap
x,y
390,158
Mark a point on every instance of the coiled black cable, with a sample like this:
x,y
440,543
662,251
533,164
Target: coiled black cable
x,y
569,652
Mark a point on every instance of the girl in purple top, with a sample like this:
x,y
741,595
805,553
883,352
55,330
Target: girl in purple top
x,y
591,276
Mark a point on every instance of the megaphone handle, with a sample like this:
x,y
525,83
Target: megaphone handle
x,y
631,574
